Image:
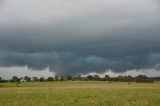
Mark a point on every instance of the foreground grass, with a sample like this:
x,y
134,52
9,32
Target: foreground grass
x,y
80,94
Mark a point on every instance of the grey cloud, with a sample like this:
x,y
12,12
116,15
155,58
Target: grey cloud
x,y
76,63
85,35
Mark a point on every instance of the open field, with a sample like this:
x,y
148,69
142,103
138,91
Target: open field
x,y
80,94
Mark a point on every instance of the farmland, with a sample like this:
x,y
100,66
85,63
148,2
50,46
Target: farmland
x,y
80,93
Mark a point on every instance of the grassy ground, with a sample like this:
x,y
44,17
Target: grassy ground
x,y
80,94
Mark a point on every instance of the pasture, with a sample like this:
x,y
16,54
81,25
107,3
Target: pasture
x,y
80,93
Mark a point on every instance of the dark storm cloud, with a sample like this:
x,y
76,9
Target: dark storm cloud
x,y
79,36
76,63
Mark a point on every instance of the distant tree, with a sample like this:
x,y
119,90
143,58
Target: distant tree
x,y
35,79
50,79
42,79
120,78
0,79
16,79
62,78
96,77
28,79
45,80
143,78
69,77
89,77
129,78
56,78
79,78
107,77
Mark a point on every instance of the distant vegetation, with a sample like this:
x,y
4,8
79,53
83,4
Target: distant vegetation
x,y
138,79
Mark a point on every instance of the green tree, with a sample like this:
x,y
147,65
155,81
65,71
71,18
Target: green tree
x,y
107,77
50,79
16,79
89,77
28,79
42,79
143,78
35,79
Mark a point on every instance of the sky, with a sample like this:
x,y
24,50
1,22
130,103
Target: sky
x,y
78,37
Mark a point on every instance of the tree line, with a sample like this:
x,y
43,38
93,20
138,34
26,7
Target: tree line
x,y
138,79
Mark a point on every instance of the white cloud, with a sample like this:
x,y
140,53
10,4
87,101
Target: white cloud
x,y
8,72
148,72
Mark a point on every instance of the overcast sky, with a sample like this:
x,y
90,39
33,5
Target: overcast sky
x,y
80,36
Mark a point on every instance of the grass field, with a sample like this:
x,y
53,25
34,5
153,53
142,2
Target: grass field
x,y
80,94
